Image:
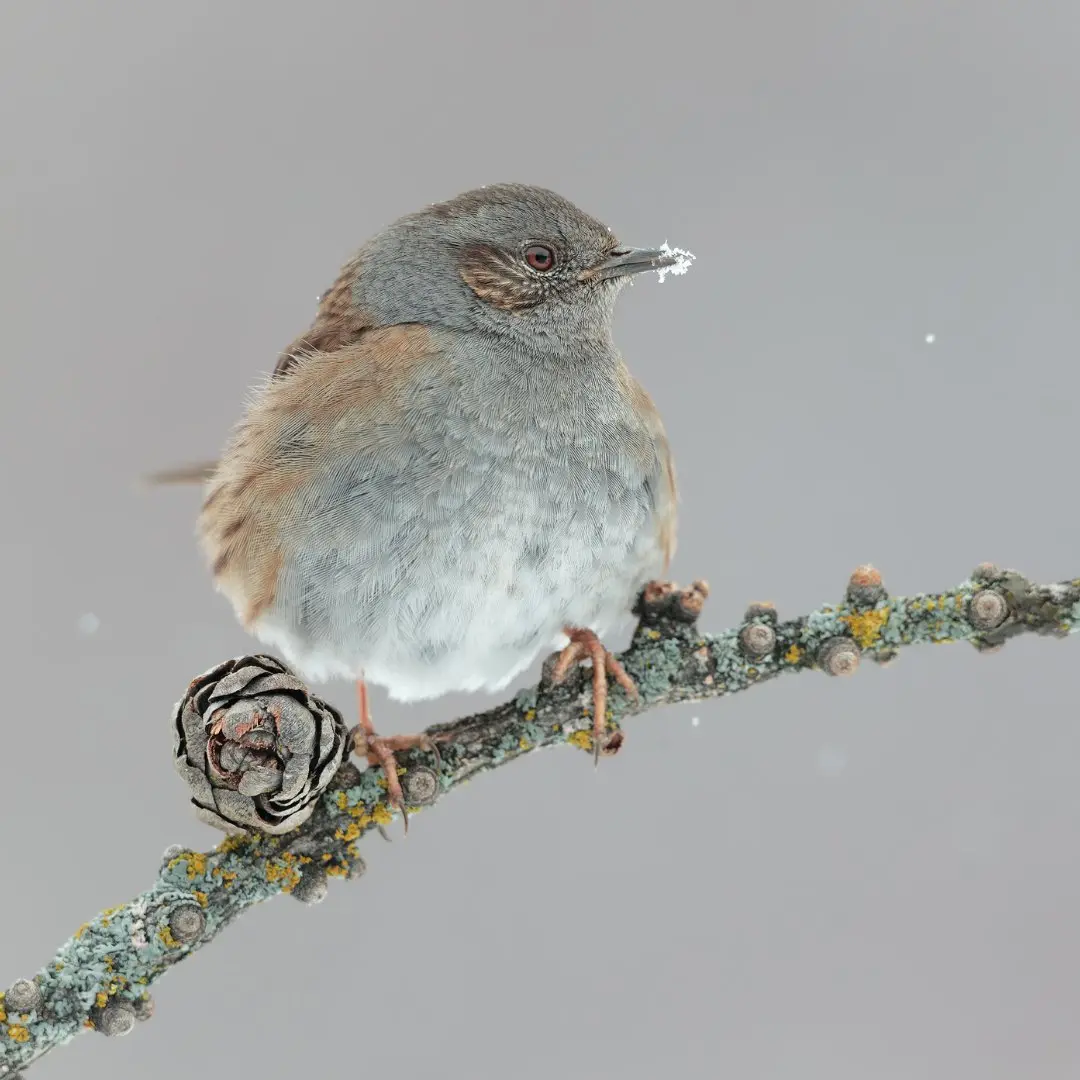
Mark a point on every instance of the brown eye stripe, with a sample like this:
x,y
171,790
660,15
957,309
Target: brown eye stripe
x,y
500,279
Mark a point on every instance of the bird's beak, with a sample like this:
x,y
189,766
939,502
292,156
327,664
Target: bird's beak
x,y
624,261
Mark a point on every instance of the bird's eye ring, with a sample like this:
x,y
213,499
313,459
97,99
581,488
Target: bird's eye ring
x,y
540,257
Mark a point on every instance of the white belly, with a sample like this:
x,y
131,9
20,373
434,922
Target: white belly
x,y
468,603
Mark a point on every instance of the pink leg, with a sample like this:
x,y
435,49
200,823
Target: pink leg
x,y
585,645
379,750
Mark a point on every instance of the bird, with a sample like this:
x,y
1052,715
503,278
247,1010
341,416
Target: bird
x,y
453,469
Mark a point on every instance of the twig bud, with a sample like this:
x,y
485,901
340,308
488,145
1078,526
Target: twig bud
x,y
187,923
420,786
987,609
865,588
117,1018
312,886
839,656
24,996
757,640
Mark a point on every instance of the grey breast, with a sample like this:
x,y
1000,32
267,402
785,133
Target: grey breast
x,y
505,475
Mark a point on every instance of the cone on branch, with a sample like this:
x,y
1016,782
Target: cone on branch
x,y
255,747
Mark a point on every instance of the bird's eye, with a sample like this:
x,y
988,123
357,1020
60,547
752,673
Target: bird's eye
x,y
540,257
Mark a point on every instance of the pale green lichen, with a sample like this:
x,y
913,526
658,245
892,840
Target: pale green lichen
x,y
129,947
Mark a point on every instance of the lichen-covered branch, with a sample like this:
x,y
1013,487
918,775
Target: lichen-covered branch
x,y
99,979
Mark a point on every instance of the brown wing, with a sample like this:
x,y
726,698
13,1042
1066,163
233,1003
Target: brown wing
x,y
665,491
338,322
668,519
325,409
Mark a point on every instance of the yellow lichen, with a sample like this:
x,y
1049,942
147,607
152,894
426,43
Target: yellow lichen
x,y
362,819
195,860
283,870
866,625
530,714
793,655
336,871
236,842
101,999
524,744
201,897
653,635
227,876
18,1033
167,939
581,739
82,930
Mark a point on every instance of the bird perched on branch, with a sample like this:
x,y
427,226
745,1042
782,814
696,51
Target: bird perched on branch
x,y
453,470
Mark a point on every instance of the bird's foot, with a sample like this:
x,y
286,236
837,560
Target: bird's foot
x,y
379,750
585,645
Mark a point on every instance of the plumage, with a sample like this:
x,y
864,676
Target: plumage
x,y
453,469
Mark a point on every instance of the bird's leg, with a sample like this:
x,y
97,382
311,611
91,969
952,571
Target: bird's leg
x,y
379,750
585,645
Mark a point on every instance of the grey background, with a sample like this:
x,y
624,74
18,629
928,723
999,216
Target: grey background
x,y
837,879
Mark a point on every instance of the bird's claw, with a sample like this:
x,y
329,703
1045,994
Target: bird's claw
x,y
585,645
379,751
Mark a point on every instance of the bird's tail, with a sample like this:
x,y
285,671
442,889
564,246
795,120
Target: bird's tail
x,y
197,473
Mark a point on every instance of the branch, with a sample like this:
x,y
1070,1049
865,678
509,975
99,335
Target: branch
x,y
99,978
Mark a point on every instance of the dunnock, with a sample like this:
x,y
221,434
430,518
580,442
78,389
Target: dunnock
x,y
452,470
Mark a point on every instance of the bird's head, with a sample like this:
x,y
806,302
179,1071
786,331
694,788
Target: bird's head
x,y
506,258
